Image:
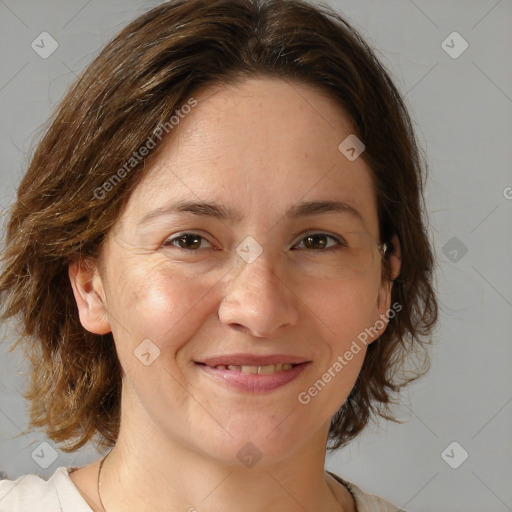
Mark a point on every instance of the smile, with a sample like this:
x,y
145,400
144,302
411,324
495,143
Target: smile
x,y
268,369
253,378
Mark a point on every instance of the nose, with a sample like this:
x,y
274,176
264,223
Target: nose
x,y
258,301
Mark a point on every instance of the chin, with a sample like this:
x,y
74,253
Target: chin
x,y
251,448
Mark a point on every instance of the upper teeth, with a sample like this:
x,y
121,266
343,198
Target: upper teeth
x,y
270,368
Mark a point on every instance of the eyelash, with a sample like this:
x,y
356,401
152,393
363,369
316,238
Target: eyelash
x,y
339,241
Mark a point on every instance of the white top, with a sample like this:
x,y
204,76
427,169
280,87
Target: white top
x,y
31,493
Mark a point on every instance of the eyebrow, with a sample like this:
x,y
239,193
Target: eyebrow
x,y
221,212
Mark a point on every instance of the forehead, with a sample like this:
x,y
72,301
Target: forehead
x,y
259,147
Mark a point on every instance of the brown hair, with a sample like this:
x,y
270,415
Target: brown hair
x,y
121,100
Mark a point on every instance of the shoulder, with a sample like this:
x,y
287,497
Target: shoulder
x,y
31,493
367,502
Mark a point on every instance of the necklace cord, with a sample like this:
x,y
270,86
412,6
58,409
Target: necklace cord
x,y
104,510
99,482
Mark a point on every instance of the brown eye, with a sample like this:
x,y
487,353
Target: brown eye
x,y
319,241
187,241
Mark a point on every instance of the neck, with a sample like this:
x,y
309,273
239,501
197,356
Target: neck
x,y
148,472
151,469
151,481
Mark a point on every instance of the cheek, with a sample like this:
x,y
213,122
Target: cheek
x,y
156,302
343,309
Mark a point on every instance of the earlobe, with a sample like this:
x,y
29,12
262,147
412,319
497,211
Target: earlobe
x,y
384,295
89,295
395,257
395,263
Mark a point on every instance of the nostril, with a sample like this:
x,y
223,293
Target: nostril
x,y
240,328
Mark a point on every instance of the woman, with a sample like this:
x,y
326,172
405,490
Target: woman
x,y
219,256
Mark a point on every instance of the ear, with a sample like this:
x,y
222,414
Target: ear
x,y
384,295
89,295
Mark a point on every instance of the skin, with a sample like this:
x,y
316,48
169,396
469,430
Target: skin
x,y
258,147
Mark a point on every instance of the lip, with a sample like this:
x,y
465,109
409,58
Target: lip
x,y
252,360
254,383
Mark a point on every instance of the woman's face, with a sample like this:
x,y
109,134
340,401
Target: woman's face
x,y
173,302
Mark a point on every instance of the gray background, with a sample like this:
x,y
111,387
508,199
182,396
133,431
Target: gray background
x,y
462,109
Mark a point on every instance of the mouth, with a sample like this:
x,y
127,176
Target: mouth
x,y
253,369
253,374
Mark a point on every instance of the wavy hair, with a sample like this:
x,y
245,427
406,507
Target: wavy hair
x,y
132,88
